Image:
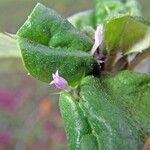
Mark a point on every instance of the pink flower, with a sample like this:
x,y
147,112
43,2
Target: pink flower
x,y
59,81
98,38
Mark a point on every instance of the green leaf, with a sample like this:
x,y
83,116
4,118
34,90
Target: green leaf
x,y
105,8
75,122
8,47
48,42
126,34
83,19
133,7
117,109
88,142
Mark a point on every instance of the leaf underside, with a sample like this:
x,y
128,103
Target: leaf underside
x,y
132,35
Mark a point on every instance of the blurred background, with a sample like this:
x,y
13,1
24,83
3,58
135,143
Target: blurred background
x,y
29,113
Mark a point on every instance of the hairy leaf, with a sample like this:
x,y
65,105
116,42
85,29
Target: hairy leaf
x,y
75,122
48,42
88,142
117,108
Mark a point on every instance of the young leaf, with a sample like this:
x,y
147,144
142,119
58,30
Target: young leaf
x,y
105,8
117,109
133,7
126,34
83,19
75,122
48,42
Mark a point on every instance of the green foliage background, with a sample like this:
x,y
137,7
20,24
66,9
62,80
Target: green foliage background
x,y
14,12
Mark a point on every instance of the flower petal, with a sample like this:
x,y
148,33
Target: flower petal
x,y
59,81
57,74
98,38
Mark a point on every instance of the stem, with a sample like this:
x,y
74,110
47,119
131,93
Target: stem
x,y
110,61
138,59
121,64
